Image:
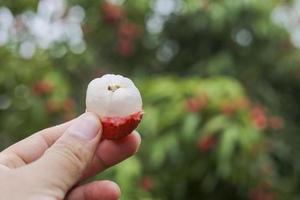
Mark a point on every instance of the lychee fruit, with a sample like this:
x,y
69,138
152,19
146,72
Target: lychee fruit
x,y
42,87
207,143
258,116
117,102
112,14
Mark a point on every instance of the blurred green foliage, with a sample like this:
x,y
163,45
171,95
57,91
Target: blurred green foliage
x,y
220,83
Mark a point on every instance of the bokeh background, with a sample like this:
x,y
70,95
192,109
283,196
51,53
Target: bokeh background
x,y
220,82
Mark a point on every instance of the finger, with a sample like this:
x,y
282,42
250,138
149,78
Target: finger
x,y
111,152
68,157
3,168
33,147
97,190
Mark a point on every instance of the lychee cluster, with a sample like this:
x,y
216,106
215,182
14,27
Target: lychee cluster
x,y
127,32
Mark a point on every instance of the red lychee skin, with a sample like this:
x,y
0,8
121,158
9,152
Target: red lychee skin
x,y
207,143
42,87
112,14
115,128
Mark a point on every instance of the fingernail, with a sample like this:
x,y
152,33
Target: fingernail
x,y
86,126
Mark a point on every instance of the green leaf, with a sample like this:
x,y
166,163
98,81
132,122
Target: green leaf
x,y
226,149
216,124
150,122
190,125
127,172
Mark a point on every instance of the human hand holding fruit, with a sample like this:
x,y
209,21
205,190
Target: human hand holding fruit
x,y
51,163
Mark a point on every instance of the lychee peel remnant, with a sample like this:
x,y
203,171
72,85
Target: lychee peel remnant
x,y
115,128
117,102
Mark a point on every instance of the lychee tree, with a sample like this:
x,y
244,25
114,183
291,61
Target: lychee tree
x,y
200,149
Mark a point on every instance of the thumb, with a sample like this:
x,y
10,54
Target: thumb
x,y
64,162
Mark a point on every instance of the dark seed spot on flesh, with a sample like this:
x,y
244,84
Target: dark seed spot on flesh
x,y
113,87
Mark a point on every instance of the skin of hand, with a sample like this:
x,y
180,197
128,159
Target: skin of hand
x,y
52,163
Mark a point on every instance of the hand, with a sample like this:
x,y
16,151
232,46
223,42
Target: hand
x,y
51,163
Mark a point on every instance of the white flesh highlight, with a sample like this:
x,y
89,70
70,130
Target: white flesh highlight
x,y
113,96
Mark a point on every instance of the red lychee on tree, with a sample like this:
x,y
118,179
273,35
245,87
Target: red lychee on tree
x,y
196,104
127,34
147,183
258,117
125,47
207,143
111,14
69,104
42,87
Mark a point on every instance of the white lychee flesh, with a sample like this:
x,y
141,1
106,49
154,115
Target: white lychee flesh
x,y
113,96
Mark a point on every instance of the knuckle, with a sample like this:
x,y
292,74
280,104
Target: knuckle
x,y
11,160
73,154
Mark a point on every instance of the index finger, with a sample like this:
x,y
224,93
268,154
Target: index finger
x,y
32,147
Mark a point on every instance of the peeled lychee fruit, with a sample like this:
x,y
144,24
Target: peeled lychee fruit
x,y
117,102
